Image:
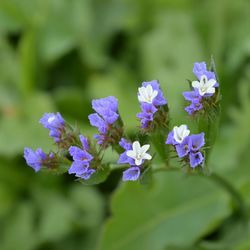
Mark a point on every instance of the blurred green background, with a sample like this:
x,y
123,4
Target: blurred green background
x,y
57,55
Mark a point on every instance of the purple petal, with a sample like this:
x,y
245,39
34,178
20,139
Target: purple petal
x,y
125,144
34,158
52,121
183,148
80,155
170,139
192,96
97,121
77,167
131,174
193,107
87,174
196,141
124,159
109,116
107,103
85,142
196,159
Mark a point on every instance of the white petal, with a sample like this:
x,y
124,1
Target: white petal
x,y
177,135
141,93
196,84
149,90
186,133
141,98
136,147
138,162
210,90
211,83
131,153
154,94
144,149
147,157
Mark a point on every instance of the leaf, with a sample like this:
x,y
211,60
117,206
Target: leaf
x,y
19,233
177,211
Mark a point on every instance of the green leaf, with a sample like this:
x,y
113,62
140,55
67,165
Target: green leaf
x,y
19,232
176,211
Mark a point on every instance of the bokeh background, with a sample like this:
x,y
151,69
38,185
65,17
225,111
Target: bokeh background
x,y
57,55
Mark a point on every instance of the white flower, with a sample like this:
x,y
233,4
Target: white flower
x,y
139,153
180,133
204,86
147,94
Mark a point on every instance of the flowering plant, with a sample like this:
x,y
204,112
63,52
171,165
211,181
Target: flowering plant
x,y
84,158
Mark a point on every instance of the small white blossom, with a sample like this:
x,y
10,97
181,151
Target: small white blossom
x,y
204,86
139,153
147,94
180,133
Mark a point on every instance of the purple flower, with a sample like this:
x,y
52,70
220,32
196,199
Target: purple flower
x,y
99,122
192,96
196,159
106,115
183,148
147,114
187,146
193,107
124,159
196,141
202,89
54,123
131,174
86,174
36,159
79,154
81,160
151,98
107,109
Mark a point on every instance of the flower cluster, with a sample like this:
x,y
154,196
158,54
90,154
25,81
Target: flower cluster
x,y
151,99
134,155
188,147
106,120
203,89
55,124
81,160
37,159
84,158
